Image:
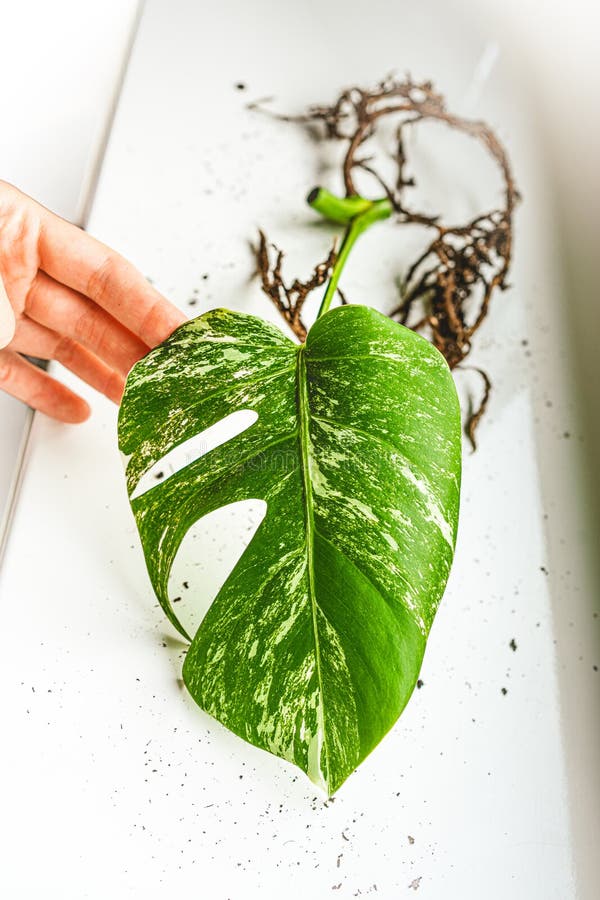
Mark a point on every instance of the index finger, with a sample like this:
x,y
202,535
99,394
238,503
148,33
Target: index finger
x,y
76,259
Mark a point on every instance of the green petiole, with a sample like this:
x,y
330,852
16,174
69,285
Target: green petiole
x,y
358,214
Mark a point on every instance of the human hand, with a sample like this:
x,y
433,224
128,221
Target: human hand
x,y
69,298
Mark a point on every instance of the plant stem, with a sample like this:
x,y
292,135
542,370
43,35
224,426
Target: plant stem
x,y
357,214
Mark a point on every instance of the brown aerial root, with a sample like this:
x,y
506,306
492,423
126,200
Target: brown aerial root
x,y
447,291
289,299
475,416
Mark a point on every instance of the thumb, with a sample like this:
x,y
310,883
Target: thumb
x,y
7,318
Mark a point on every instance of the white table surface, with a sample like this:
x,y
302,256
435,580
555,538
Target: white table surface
x,y
61,66
119,784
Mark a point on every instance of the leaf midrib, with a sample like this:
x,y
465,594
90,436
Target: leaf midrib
x,y
304,434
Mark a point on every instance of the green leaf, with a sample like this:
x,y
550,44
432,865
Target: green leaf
x,y
313,645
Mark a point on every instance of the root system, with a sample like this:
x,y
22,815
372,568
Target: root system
x,y
446,292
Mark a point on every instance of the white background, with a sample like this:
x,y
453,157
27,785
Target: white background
x,y
554,52
60,68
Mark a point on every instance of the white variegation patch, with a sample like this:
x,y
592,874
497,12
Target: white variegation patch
x,y
313,644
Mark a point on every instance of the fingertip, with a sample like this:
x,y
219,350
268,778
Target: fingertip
x,y
86,410
40,391
75,412
115,388
161,322
177,318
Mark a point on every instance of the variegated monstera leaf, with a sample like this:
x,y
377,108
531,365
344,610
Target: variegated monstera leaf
x,y
314,643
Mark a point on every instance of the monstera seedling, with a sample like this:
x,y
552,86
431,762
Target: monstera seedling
x,y
313,645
